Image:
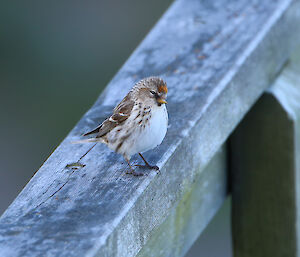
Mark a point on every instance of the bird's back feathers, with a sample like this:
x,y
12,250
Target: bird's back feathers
x,y
120,114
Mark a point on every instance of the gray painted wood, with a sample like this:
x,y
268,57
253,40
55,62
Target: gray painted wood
x,y
217,58
266,173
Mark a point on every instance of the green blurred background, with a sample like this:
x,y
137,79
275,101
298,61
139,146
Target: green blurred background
x,y
55,58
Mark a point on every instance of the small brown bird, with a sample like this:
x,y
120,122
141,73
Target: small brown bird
x,y
138,123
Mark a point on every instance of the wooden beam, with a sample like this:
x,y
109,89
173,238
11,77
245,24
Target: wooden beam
x,y
217,58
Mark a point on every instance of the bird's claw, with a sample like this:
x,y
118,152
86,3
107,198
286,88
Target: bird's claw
x,y
154,167
136,174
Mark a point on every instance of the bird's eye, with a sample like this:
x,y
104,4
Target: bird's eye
x,y
152,92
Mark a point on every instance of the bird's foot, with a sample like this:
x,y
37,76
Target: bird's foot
x,y
134,173
153,167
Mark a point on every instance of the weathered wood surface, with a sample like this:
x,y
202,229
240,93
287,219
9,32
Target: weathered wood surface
x,y
189,217
217,58
266,172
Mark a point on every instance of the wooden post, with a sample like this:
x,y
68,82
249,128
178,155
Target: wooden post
x,y
265,152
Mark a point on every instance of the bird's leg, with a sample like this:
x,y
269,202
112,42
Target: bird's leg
x,y
146,164
132,171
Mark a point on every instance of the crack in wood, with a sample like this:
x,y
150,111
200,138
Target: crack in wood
x,y
74,168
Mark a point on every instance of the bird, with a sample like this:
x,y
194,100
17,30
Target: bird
x,y
139,122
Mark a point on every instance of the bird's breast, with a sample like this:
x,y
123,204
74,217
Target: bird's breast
x,y
155,129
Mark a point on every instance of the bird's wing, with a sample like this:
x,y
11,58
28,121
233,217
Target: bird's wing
x,y
121,113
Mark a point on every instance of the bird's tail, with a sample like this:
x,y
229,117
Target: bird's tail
x,y
88,140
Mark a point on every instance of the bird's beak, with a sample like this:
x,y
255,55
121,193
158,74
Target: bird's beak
x,y
161,100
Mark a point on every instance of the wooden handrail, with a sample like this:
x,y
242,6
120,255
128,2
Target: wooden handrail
x,y
217,58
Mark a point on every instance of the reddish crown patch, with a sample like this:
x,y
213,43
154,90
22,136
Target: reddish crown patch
x,y
162,88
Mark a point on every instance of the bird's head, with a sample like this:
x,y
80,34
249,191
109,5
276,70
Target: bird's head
x,y
153,89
